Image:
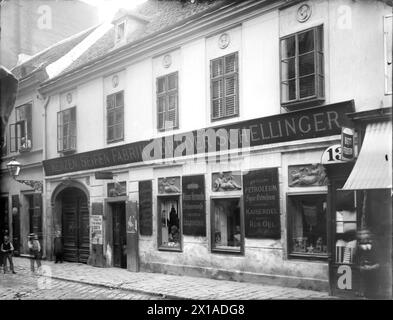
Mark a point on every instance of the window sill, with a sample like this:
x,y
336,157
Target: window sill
x,y
228,251
305,103
224,118
308,256
115,141
172,249
67,152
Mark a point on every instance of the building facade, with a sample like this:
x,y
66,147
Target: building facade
x,y
196,148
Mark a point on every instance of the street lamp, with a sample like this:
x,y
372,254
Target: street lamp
x,y
14,169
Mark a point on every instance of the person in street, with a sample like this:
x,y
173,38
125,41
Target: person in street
x,y
58,247
7,250
35,251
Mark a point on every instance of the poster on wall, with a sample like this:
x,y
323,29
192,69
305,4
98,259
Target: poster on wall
x,y
96,229
145,208
194,213
262,204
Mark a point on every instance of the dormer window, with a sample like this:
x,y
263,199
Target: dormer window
x,y
120,31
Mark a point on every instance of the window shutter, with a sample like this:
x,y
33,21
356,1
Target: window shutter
x,y
72,130
13,138
37,214
230,95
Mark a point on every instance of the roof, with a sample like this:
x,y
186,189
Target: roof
x,y
158,15
49,55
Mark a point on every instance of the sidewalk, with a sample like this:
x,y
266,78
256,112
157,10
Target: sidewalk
x,y
169,286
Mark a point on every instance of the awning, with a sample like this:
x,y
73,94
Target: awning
x,y
373,168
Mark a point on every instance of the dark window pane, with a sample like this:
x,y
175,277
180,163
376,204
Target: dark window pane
x,y
160,120
161,104
110,100
172,81
118,132
307,86
230,105
230,63
306,41
320,38
288,47
217,89
217,108
119,115
321,87
321,64
119,99
111,118
110,133
288,70
288,90
230,84
172,102
161,85
306,64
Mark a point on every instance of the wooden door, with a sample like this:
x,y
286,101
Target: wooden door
x,y
75,214
119,235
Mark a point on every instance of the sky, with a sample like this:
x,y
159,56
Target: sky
x,y
107,8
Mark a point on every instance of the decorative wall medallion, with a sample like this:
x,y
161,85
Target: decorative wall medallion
x,y
117,189
224,41
69,97
115,81
303,13
169,185
167,61
307,175
226,181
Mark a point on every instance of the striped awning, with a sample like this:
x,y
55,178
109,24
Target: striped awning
x,y
373,168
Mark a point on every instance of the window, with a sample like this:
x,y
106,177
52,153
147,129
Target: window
x,y
120,31
224,87
115,117
302,66
308,232
227,226
169,225
66,130
167,102
21,130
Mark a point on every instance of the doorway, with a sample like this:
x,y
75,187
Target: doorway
x,y
75,225
119,234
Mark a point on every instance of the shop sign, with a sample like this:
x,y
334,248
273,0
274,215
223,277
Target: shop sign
x,y
332,155
347,144
308,175
303,124
262,204
117,189
169,185
226,181
96,229
145,208
104,175
194,214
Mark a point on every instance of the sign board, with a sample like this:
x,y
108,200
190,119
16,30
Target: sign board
x,y
262,204
347,144
297,125
96,229
145,208
194,213
104,175
332,155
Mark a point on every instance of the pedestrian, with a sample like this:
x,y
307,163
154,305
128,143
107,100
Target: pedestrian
x,y
8,250
35,251
58,247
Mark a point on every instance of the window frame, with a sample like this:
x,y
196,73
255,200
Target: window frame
x,y
223,77
319,93
69,149
22,127
215,250
113,110
166,95
160,246
290,224
120,39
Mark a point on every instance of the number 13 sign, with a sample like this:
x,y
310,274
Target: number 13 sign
x,y
332,155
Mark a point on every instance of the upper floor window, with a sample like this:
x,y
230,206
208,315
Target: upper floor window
x,y
224,86
21,130
302,67
120,31
115,116
167,102
66,130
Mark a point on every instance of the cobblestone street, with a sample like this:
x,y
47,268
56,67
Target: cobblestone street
x,y
80,281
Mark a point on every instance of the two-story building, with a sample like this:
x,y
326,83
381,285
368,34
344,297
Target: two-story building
x,y
188,139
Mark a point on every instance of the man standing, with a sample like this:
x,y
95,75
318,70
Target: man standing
x,y
7,249
35,251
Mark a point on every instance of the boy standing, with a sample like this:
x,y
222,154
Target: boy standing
x,y
7,249
35,251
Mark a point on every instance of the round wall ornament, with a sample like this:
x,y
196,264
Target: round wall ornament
x,y
303,12
167,61
224,40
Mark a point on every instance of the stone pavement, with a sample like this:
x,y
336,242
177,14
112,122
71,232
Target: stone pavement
x,y
169,286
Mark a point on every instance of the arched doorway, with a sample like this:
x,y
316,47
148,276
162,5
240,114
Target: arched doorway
x,y
75,224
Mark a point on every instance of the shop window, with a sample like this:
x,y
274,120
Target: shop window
x,y
66,130
115,117
167,102
302,67
21,130
224,86
307,225
227,226
169,225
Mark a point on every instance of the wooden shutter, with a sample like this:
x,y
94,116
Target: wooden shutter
x,y
231,84
217,87
145,208
37,214
72,129
15,223
13,138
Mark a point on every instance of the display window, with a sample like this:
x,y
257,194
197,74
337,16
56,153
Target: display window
x,y
227,225
307,225
169,224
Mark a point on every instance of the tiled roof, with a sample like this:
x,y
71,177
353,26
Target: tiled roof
x,y
161,14
49,55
